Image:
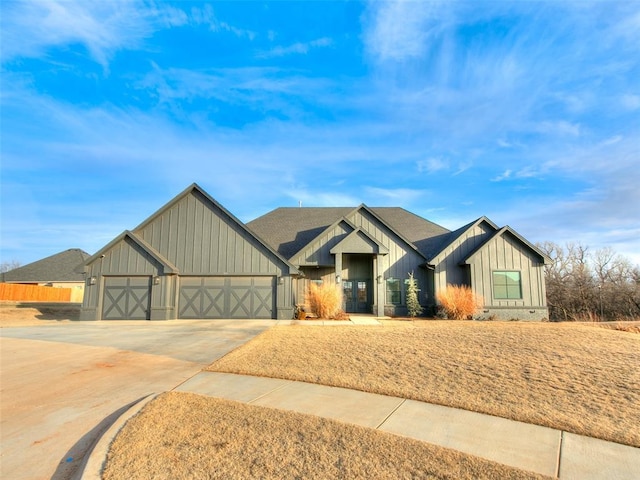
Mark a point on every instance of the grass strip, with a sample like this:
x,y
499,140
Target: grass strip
x,y
187,436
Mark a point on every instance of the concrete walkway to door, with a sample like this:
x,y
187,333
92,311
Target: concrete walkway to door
x,y
63,384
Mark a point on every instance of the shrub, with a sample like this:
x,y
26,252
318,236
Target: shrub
x,y
413,304
325,300
458,301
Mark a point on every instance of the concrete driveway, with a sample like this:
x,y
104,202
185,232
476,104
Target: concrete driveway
x,y
62,385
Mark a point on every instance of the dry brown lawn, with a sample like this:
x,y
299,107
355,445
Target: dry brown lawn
x,y
571,377
12,315
187,436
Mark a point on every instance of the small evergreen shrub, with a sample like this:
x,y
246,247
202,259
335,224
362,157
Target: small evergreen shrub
x,y
413,304
325,300
458,302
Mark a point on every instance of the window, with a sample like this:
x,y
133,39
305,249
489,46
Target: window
x,y
347,288
394,296
507,285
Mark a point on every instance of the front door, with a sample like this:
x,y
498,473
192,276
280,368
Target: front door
x,y
357,296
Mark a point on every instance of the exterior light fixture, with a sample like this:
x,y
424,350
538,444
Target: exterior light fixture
x,y
379,279
92,280
338,278
281,280
156,280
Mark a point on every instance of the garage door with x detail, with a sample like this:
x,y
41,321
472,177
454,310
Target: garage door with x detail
x,y
127,298
202,301
226,297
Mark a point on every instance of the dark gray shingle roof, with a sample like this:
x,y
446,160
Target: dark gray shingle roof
x,y
289,229
56,268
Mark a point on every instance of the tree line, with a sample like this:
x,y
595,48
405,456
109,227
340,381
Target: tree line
x,y
590,286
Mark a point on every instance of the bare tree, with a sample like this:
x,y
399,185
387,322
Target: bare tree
x,y
7,266
590,286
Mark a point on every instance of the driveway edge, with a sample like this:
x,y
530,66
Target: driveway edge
x,y
96,458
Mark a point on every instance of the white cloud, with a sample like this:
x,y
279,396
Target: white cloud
x,y
31,27
611,141
393,196
432,165
504,176
296,48
402,29
259,89
463,167
207,16
599,208
559,127
630,102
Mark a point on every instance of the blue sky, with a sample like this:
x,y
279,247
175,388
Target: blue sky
x,y
526,112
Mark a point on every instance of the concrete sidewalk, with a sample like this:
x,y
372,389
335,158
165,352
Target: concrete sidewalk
x,y
529,447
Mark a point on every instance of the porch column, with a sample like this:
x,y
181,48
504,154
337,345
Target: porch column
x,y
378,285
338,265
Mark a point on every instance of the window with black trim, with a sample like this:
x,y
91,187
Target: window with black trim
x,y
507,285
394,296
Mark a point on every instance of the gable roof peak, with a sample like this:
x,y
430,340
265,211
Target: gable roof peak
x,y
194,187
498,233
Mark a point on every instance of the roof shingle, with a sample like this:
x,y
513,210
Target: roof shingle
x,y
56,268
289,229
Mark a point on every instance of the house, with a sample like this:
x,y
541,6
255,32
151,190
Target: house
x,y
194,259
54,271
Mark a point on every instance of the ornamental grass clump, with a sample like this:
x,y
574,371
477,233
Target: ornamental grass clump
x,y
325,300
459,302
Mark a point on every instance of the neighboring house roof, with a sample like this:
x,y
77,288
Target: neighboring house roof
x,y
56,268
290,229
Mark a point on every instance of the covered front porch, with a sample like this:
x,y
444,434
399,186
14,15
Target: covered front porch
x,y
358,267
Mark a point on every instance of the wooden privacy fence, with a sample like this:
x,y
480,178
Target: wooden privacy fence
x,y
33,293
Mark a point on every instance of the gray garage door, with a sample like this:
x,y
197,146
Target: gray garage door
x,y
126,298
227,297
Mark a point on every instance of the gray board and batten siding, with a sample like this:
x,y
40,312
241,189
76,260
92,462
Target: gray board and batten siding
x,y
506,251
478,250
200,262
399,242
360,247
193,259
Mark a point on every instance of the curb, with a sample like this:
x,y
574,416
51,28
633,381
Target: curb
x,y
96,458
